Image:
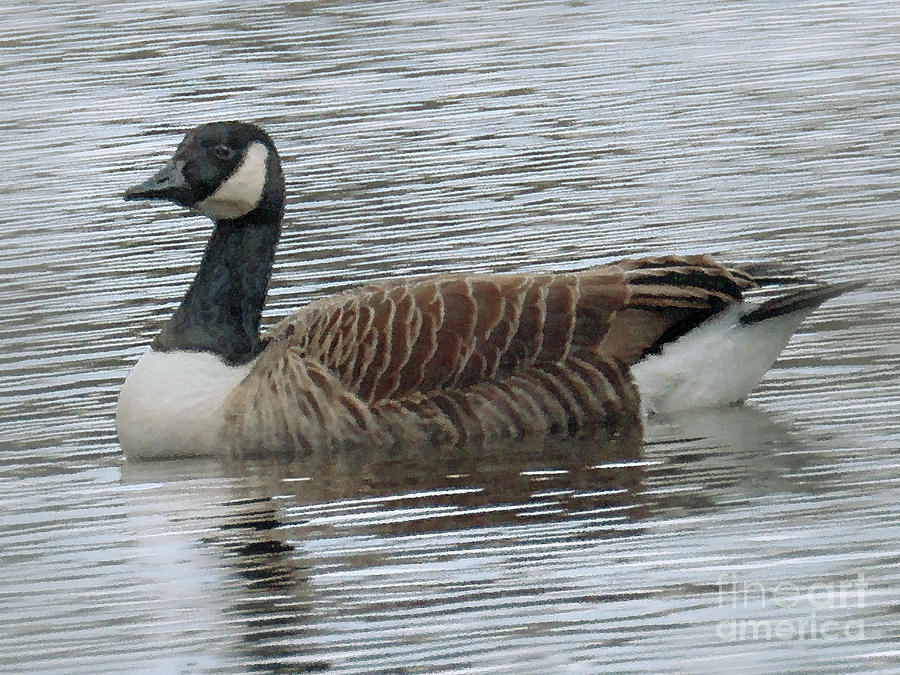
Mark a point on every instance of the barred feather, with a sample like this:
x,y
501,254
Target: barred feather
x,y
459,359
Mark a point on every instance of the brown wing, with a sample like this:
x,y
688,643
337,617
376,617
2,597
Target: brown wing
x,y
669,296
470,359
389,340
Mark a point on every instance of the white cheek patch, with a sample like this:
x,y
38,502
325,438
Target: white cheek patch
x,y
243,190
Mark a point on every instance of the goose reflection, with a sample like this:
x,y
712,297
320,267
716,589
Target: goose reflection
x,y
291,549
706,460
275,604
404,492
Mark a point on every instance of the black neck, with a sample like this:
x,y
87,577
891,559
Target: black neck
x,y
222,309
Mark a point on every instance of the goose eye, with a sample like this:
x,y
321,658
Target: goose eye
x,y
223,151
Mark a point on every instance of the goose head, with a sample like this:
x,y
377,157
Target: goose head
x,y
227,171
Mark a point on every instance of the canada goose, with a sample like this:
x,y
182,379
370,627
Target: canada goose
x,y
449,359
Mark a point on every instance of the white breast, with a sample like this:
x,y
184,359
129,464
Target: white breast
x,y
172,404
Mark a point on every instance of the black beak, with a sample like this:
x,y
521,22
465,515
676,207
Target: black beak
x,y
168,183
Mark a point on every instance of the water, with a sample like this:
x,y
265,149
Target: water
x,y
447,136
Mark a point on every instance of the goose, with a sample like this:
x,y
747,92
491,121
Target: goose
x,y
446,360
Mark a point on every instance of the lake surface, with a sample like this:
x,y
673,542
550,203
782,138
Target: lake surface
x,y
425,137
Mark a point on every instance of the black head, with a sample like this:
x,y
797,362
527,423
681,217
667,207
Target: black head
x,y
225,170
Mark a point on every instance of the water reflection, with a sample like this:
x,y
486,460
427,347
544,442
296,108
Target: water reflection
x,y
259,519
400,491
403,492
302,545
728,456
275,602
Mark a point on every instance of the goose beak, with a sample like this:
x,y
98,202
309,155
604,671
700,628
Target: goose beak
x,y
168,183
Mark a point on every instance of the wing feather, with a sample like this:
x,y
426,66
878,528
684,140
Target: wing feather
x,y
389,340
471,358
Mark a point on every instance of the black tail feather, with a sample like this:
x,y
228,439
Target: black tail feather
x,y
804,298
770,273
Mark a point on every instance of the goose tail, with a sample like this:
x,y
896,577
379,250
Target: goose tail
x,y
798,301
722,360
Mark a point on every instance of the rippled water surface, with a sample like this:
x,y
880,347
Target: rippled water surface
x,y
422,137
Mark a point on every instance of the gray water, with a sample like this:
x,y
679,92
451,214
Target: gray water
x,y
425,137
